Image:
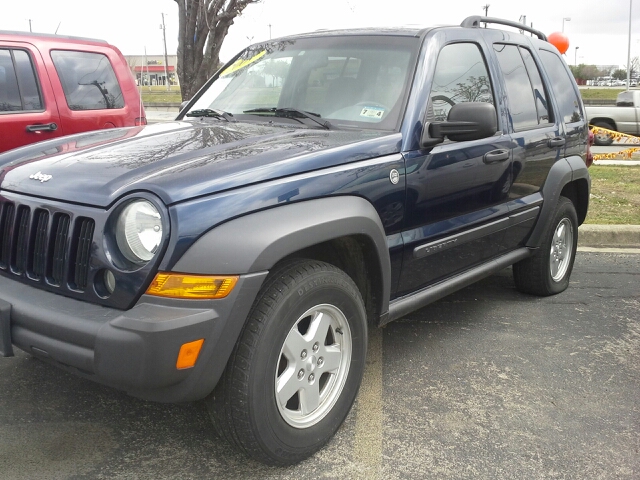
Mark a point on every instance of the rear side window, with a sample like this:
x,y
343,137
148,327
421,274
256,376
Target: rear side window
x,y
18,84
539,93
522,104
562,85
88,80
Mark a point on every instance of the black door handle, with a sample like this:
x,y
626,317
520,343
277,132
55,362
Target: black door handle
x,y
495,156
46,127
555,142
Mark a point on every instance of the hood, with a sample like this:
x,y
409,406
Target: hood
x,y
179,160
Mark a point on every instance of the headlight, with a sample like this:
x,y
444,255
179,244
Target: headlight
x,y
139,231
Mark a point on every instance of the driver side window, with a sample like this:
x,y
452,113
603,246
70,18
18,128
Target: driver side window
x,y
461,76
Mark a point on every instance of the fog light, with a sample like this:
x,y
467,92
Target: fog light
x,y
189,354
109,281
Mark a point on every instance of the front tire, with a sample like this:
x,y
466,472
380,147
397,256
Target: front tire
x,y
547,272
297,367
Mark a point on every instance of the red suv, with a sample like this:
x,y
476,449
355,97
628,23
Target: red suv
x,y
53,85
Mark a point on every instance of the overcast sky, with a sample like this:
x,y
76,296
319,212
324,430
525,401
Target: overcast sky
x,y
599,28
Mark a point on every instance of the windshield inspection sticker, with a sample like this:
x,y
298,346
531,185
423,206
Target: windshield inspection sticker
x,y
372,112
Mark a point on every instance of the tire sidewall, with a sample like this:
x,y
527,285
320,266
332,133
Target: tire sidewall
x,y
285,441
565,210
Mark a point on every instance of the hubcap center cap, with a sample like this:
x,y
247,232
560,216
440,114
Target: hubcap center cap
x,y
310,363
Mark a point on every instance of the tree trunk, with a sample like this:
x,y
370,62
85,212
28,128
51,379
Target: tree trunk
x,y
202,27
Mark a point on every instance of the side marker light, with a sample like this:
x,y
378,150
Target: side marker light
x,y
188,355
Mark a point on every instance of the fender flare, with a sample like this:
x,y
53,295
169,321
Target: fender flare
x,y
563,172
257,241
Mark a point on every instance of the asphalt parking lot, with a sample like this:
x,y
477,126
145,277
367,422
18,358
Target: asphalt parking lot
x,y
486,383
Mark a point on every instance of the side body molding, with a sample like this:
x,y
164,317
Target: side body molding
x,y
257,241
563,172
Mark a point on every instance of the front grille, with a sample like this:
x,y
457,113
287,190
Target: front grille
x,y
45,246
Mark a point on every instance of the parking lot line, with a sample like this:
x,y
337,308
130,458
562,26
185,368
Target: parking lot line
x,y
367,451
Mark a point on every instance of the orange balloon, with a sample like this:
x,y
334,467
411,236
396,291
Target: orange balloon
x,y
560,41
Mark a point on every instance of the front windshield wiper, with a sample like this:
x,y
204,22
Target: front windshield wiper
x,y
211,112
292,113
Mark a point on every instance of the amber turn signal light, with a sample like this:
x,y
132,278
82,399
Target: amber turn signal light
x,y
179,285
188,355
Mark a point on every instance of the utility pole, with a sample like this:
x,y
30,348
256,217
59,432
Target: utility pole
x,y
166,62
269,31
486,10
629,49
523,20
30,26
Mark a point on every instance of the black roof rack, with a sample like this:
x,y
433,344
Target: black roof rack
x,y
475,21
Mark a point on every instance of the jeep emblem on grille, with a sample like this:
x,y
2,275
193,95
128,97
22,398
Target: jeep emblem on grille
x,y
43,177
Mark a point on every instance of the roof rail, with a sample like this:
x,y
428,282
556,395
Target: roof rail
x,y
475,20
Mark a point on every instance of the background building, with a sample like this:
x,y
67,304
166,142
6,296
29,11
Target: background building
x,y
149,69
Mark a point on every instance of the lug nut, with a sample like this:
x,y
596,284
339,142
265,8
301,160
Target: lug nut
x,y
315,347
311,377
320,361
300,374
303,355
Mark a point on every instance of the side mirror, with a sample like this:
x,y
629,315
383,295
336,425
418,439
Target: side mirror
x,y
466,121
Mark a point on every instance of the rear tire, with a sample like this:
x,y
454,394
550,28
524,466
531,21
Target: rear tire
x,y
602,139
547,272
296,369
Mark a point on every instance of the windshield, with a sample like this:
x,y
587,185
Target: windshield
x,y
345,81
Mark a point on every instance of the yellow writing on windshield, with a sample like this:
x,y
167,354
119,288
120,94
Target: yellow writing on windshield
x,y
240,63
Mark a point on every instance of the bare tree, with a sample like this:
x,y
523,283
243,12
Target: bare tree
x,y
202,27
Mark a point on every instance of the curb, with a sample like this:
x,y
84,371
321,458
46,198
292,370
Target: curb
x,y
609,236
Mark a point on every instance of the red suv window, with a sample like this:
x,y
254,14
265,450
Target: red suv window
x,y
18,85
88,80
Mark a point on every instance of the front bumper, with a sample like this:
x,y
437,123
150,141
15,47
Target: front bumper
x,y
133,350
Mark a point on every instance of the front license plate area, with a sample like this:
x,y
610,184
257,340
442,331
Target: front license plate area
x,y
6,350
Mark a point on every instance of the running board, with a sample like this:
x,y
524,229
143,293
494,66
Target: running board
x,y
400,307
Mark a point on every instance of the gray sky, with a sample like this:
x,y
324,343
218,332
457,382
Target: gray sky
x,y
598,28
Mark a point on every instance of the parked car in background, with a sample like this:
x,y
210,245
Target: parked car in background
x,y
623,118
52,85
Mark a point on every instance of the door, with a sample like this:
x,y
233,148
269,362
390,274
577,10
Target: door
x,y
28,111
456,191
93,97
539,140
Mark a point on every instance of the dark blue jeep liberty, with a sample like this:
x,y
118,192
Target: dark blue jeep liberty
x,y
318,185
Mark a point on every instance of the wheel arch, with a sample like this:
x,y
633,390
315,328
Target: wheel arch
x,y
345,231
570,178
608,120
578,192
